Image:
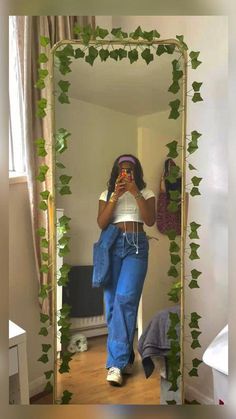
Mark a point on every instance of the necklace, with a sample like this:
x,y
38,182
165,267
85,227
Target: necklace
x,y
131,243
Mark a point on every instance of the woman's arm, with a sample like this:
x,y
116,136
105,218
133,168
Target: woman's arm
x,y
147,209
106,209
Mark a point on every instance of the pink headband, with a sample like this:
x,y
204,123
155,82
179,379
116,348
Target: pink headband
x,y
126,158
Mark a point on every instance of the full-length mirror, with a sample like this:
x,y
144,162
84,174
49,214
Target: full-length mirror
x,y
112,124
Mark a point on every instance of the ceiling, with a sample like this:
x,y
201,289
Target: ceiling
x,y
136,89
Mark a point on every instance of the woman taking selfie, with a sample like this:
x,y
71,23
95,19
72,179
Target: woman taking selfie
x,y
128,205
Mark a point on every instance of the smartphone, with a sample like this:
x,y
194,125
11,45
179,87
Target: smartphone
x,y
128,173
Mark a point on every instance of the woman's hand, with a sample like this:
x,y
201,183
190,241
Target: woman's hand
x,y
120,186
131,186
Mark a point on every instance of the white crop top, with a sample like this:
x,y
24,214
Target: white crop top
x,y
126,207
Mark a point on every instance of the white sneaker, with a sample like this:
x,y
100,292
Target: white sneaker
x,y
114,376
128,369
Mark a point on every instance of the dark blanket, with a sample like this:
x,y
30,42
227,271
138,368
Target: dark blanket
x,y
154,340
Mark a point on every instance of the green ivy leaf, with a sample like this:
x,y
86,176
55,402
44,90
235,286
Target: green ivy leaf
x,y
174,87
44,269
194,248
46,347
64,69
196,362
195,135
173,387
43,205
197,97
192,147
65,190
44,41
177,74
43,73
133,55
104,54
174,104
193,372
195,273
170,48
63,241
45,256
172,334
60,165
48,374
43,331
193,284
65,310
63,98
44,243
42,58
44,358
172,206
175,259
64,85
196,180
171,233
43,293
147,56
195,344
44,317
114,54
66,397
194,320
64,220
195,63
77,29
171,402
194,54
64,251
40,84
45,194
173,272
194,402
62,281
122,53
174,174
160,50
42,172
172,149
174,247
181,39
174,318
137,33
41,231
79,53
196,86
195,334
175,195
194,191
92,55
48,388
65,269
191,167
101,33
65,179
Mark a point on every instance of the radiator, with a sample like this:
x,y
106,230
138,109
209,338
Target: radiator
x,y
89,326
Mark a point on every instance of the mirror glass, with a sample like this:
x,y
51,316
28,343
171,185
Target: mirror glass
x,y
116,108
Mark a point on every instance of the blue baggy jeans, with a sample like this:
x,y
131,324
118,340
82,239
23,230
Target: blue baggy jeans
x,y
122,296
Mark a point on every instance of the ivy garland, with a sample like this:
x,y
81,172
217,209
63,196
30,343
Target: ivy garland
x,y
92,47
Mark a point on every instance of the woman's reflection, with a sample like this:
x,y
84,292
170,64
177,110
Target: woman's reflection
x,y
128,204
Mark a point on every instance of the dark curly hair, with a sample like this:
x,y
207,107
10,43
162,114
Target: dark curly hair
x,y
138,173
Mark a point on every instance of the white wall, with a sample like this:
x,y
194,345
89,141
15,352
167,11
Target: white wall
x,y
207,34
98,136
24,309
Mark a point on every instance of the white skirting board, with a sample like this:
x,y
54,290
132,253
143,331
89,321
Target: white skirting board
x,y
192,393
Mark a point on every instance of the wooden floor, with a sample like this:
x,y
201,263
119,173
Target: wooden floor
x,y
87,380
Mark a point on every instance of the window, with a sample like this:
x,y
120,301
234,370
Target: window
x,y
16,129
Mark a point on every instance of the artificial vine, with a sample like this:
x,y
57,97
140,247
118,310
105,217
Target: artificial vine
x,y
145,49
